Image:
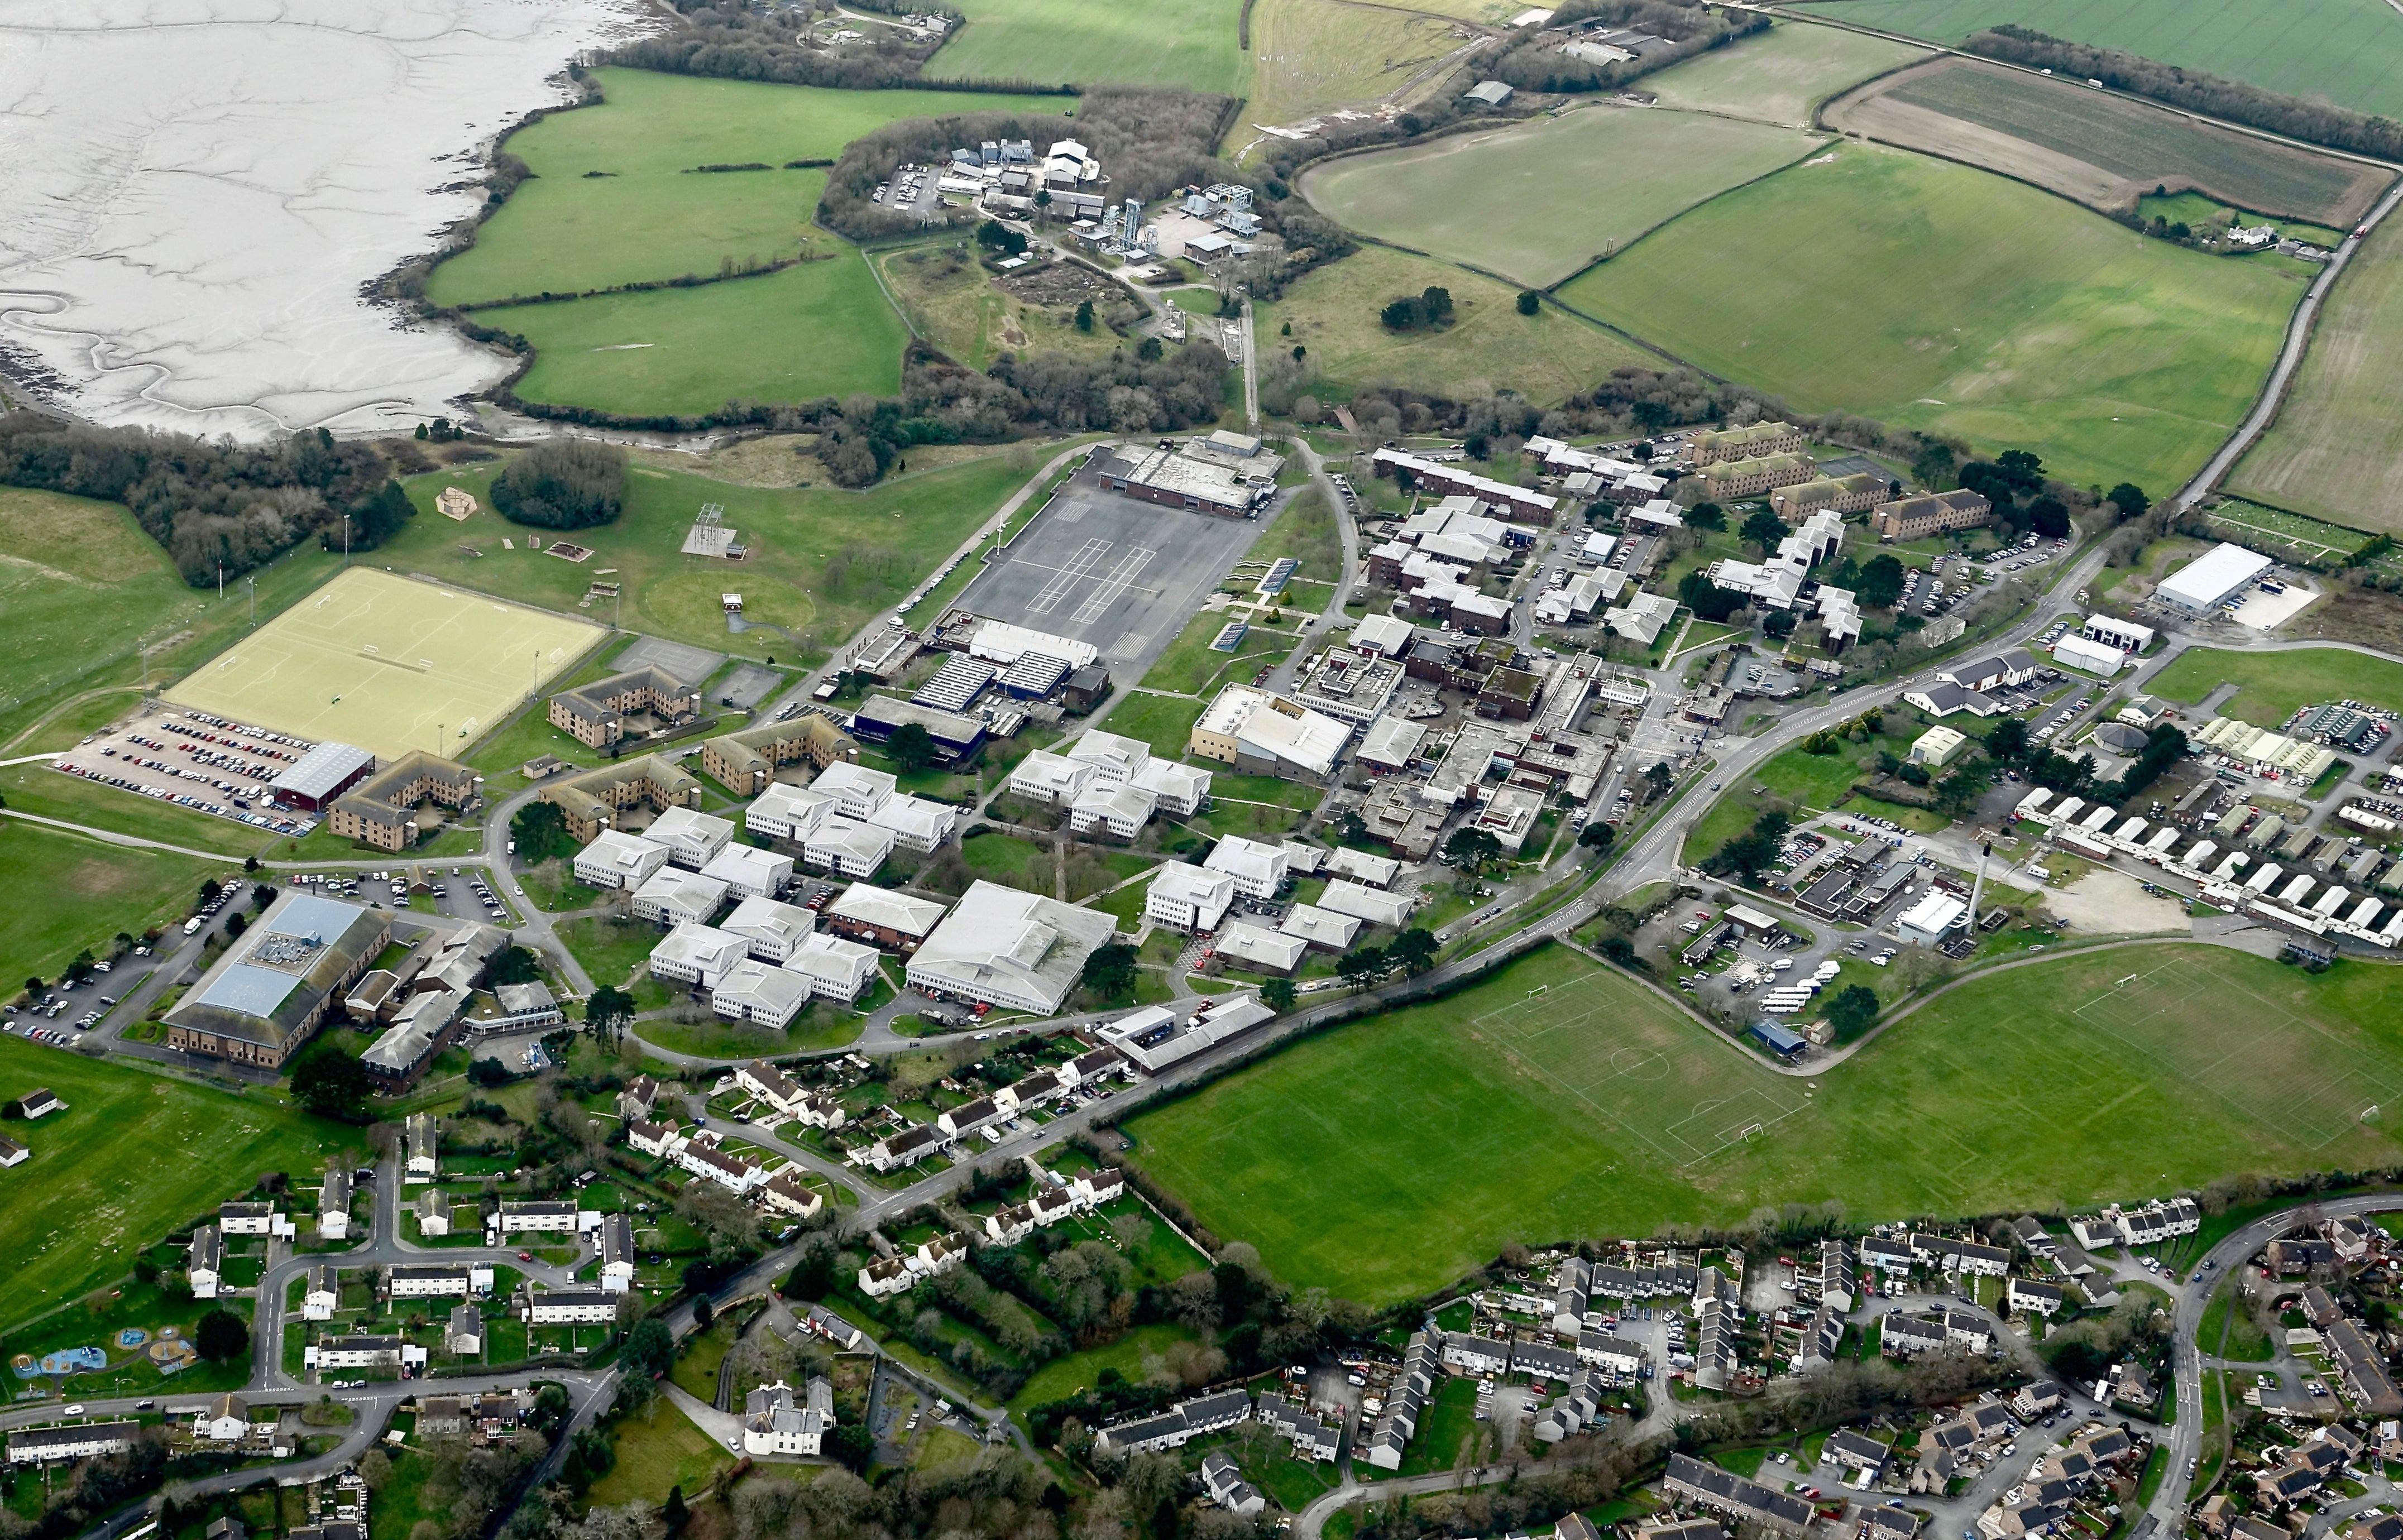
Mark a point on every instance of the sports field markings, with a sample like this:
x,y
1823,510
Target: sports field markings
x,y
1066,577
2220,1054
1581,1009
1114,587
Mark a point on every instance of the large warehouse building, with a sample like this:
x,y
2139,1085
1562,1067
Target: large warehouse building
x,y
271,990
2213,579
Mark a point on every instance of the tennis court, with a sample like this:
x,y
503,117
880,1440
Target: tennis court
x,y
389,663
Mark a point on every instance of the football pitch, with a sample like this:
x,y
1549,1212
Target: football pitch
x,y
1557,1100
389,663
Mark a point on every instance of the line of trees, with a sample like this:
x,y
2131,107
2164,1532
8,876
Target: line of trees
x,y
212,504
2197,91
1537,63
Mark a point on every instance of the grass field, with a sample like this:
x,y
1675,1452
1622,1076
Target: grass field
x,y
2193,208
1557,1100
2345,52
1502,201
94,890
134,1156
2288,534
1188,43
1935,297
2335,451
823,561
1780,76
2145,144
821,328
388,664
658,1450
954,305
614,198
1547,357
2276,685
1309,56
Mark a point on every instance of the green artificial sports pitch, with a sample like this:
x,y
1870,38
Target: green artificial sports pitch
x,y
389,663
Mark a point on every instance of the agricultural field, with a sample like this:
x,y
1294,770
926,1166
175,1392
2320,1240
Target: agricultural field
x,y
1932,296
615,198
2335,451
388,663
820,329
98,890
953,304
1569,1101
1547,357
1779,77
823,561
2274,686
2097,147
1536,201
2290,535
1187,43
2345,52
135,1157
1310,56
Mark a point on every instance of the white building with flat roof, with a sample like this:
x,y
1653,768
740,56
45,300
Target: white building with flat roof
x,y
867,912
1269,734
750,872
1320,928
1051,779
836,968
2213,579
771,929
2088,656
698,955
915,823
2111,631
857,790
1344,896
1188,897
616,859
1936,915
787,813
1258,948
692,839
1258,868
676,897
1011,949
849,846
760,994
1115,807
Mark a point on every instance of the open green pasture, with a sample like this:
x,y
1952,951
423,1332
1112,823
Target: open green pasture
x,y
1538,200
1779,77
821,328
2335,450
1933,296
1556,1099
2276,685
2345,52
92,891
134,1157
1310,56
1187,43
2143,142
616,198
822,559
1333,310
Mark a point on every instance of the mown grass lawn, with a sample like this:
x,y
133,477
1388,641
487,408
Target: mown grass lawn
x,y
135,1157
1562,1100
93,890
659,1449
1932,296
1187,43
2274,686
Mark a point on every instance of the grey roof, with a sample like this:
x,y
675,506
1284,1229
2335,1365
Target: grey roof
x,y
317,773
291,957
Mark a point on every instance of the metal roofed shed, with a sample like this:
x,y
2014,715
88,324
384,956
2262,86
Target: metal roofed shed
x,y
1492,93
321,774
2212,578
270,989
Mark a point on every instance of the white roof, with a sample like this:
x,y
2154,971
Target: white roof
x,y
1391,740
1250,858
801,807
997,642
626,854
822,956
1320,928
2212,575
999,939
1378,908
675,888
1267,948
680,823
843,776
1276,729
2077,652
1378,871
1055,774
1115,757
767,920
752,981
1934,914
870,904
747,866
1191,884
919,817
700,945
1118,800
1388,634
851,837
1166,778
